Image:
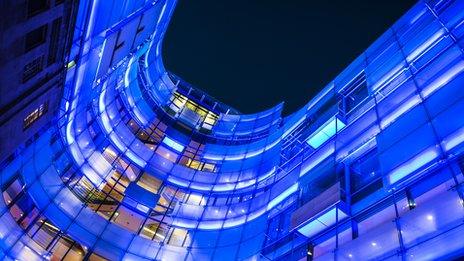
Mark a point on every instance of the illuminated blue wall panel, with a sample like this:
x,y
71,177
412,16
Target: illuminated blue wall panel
x,y
141,165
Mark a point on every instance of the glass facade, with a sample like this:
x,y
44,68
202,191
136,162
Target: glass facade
x,y
141,165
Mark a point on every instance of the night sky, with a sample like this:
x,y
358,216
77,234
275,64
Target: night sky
x,y
253,54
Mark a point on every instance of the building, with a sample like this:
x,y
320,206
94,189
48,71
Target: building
x,y
140,165
33,41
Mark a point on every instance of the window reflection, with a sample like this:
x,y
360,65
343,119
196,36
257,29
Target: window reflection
x,y
149,183
128,219
40,230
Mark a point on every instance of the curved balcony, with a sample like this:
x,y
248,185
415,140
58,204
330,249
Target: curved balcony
x,y
142,165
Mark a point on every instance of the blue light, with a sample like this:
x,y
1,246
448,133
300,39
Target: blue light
x,y
404,107
281,197
173,144
322,222
325,132
317,158
143,208
454,139
413,165
444,79
419,50
245,198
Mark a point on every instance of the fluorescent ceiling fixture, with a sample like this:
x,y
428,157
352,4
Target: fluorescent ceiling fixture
x,y
281,197
242,156
454,139
322,222
233,222
91,174
246,183
402,109
173,144
267,175
223,187
135,158
443,79
325,132
426,45
210,225
178,182
413,165
143,208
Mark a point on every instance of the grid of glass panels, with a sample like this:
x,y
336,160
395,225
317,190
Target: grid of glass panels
x,y
384,135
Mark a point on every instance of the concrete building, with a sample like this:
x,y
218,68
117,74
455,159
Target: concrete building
x,y
34,37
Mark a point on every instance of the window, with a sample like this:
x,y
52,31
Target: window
x,y
52,239
54,41
128,219
196,164
149,229
177,102
66,249
23,210
32,69
35,7
195,199
149,183
192,112
325,132
365,170
167,154
21,206
354,93
35,115
177,237
12,191
210,121
35,37
209,167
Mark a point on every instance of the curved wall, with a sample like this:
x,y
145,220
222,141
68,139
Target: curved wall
x,y
142,165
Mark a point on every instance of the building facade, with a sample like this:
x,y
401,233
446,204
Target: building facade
x,y
34,38
140,165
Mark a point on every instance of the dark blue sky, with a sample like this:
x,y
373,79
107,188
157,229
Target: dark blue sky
x,y
252,54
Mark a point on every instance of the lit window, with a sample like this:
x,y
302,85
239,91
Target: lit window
x,y
209,167
149,229
32,68
12,191
324,133
180,102
195,199
209,121
149,183
177,102
173,144
202,166
191,105
195,164
177,237
35,115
